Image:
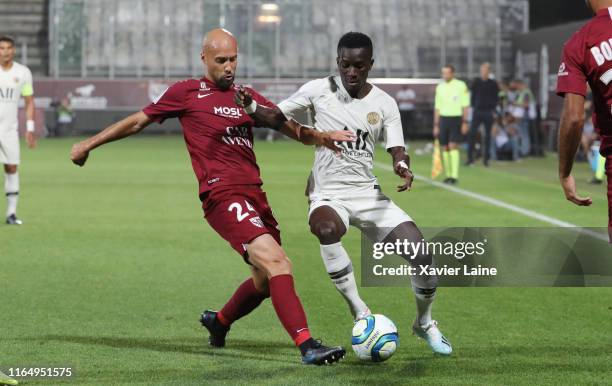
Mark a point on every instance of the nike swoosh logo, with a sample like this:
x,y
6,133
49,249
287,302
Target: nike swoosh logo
x,y
200,96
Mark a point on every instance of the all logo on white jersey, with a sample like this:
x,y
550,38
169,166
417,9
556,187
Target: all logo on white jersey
x,y
7,93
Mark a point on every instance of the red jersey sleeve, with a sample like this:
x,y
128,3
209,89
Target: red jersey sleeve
x,y
170,104
571,77
261,100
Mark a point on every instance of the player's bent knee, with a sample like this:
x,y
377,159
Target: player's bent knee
x,y
326,231
10,169
273,263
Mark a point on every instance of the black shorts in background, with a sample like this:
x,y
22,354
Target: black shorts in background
x,y
450,130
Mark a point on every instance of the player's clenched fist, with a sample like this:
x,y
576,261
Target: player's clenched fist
x,y
242,97
401,169
79,154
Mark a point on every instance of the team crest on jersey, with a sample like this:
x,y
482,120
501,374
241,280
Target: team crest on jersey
x,y
257,222
373,118
203,86
16,79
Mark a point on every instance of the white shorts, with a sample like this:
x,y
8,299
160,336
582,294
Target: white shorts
x,y
370,211
9,148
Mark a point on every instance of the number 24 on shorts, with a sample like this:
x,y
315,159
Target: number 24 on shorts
x,y
239,211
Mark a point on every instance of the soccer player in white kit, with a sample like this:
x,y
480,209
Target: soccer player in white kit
x,y
342,190
15,81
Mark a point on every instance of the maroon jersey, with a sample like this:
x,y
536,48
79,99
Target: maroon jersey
x,y
218,134
587,57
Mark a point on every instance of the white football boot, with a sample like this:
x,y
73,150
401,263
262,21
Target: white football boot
x,y
434,338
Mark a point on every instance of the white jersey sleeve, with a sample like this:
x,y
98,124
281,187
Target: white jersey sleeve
x,y
26,85
302,99
392,125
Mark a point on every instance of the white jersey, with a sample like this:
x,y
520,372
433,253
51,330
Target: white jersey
x,y
14,83
334,109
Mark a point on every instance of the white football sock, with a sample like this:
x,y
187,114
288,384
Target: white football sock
x,y
424,301
11,188
340,270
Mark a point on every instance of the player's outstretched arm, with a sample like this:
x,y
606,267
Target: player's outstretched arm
x,y
570,132
310,136
401,167
124,128
275,119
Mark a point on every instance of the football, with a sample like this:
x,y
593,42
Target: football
x,y
375,338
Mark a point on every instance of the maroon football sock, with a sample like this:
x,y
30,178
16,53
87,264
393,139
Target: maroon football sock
x,y
289,308
245,299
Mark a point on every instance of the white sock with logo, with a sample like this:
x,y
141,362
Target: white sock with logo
x,y
340,270
424,301
11,188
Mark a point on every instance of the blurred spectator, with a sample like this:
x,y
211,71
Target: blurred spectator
x,y
503,98
64,117
484,100
406,99
523,109
504,139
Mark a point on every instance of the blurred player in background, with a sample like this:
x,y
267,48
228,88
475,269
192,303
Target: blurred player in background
x,y
343,190
406,100
15,82
484,100
451,120
587,57
219,139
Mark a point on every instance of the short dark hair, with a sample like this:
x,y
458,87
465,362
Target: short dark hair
x,y
449,66
8,39
355,40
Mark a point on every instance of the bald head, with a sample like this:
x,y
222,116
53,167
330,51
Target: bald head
x,y
219,38
220,57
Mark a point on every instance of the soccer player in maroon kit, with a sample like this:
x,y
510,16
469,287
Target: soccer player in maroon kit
x,y
219,139
587,57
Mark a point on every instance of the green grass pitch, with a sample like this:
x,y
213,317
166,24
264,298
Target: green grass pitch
x,y
115,262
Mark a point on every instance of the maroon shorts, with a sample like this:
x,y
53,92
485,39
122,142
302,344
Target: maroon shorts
x,y
609,174
240,214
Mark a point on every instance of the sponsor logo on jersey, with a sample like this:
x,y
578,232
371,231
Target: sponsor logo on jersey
x,y
359,148
213,180
237,135
373,118
562,70
228,112
200,96
7,93
603,52
256,221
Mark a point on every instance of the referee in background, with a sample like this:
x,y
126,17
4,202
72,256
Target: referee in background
x,y
450,120
485,96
